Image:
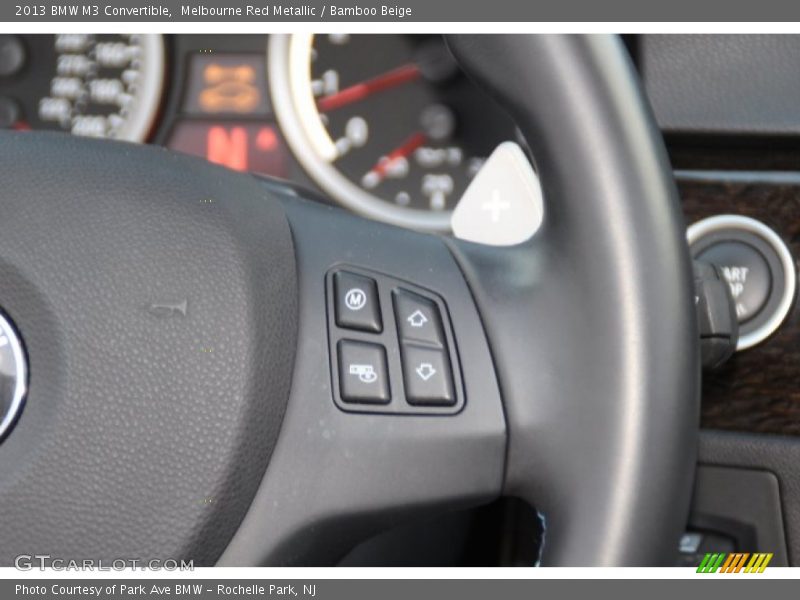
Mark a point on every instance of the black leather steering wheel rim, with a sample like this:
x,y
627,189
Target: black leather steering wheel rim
x,y
612,278
176,321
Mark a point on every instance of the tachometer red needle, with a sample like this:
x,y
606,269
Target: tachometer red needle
x,y
359,91
377,173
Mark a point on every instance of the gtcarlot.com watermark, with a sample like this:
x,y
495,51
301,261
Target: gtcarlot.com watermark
x,y
30,562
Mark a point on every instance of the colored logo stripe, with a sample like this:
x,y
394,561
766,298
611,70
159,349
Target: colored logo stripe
x,y
758,563
734,562
711,563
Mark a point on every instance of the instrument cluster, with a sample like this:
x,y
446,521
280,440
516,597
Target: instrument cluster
x,y
385,125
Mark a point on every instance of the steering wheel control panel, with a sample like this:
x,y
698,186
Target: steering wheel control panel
x,y
758,268
391,346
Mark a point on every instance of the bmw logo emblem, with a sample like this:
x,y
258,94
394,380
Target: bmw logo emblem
x,y
13,376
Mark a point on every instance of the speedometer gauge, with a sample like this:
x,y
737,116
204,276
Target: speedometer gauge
x,y
386,124
106,86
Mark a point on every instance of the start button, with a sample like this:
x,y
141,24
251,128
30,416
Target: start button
x,y
758,267
747,273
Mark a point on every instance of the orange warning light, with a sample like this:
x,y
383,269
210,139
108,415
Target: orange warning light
x,y
229,89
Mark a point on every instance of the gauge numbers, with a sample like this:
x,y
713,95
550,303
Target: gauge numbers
x,y
386,124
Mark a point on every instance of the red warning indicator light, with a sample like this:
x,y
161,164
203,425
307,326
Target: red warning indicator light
x,y
228,147
238,146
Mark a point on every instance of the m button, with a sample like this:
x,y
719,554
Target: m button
x,y
357,305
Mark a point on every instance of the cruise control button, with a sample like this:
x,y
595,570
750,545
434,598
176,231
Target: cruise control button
x,y
746,272
427,377
417,318
357,304
363,376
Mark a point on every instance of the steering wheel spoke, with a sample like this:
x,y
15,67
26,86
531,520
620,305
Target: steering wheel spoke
x,y
343,470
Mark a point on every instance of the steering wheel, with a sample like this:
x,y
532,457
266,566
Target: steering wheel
x,y
183,331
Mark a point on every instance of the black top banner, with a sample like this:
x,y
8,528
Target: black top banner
x,y
401,11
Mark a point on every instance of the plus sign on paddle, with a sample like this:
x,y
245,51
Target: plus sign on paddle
x,y
496,207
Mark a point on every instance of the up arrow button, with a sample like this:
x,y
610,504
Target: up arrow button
x,y
418,318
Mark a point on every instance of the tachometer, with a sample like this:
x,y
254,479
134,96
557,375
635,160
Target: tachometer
x,y
386,124
106,86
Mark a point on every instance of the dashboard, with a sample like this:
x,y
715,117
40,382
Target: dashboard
x,y
386,125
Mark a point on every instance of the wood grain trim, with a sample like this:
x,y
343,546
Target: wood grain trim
x,y
758,390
